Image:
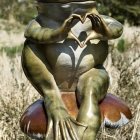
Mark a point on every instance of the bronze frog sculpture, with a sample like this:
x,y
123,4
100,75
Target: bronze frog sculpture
x,y
64,51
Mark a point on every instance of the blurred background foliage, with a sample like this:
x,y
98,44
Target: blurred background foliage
x,y
122,10
17,10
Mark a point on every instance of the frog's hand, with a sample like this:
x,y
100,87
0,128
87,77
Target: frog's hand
x,y
107,26
97,29
91,36
72,36
104,28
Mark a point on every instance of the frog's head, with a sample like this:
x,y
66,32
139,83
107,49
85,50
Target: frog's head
x,y
64,8
63,1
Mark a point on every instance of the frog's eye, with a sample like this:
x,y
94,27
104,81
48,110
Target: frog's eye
x,y
65,6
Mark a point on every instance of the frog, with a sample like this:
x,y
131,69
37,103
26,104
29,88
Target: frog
x,y
64,51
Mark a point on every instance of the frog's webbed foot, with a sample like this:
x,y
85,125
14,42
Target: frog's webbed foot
x,y
65,129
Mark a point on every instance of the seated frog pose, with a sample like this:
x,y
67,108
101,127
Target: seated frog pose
x,y
64,51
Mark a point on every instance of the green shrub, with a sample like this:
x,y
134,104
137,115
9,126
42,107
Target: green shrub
x,y
122,10
11,51
121,45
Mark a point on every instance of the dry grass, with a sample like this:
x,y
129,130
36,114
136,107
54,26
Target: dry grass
x,y
17,93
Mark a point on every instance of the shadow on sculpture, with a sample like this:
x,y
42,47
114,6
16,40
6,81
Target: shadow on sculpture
x,y
63,55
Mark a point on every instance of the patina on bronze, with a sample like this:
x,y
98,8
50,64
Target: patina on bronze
x,y
64,51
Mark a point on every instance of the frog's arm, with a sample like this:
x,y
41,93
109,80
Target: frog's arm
x,y
39,34
104,28
35,32
112,28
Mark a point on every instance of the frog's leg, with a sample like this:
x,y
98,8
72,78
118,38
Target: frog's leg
x,y
35,65
92,87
